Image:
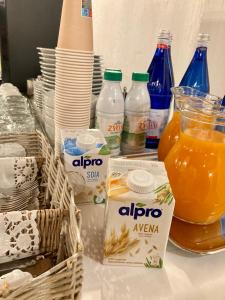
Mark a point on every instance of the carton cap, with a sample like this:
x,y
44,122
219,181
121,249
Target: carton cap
x,y
140,181
86,141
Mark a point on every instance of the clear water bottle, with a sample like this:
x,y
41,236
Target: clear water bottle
x,y
160,83
110,110
137,108
197,75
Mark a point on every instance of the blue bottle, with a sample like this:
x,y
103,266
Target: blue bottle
x,y
223,101
159,87
197,75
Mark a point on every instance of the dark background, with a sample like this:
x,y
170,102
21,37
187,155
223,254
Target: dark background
x,y
25,25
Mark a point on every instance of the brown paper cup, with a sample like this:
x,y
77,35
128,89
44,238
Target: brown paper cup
x,y
75,31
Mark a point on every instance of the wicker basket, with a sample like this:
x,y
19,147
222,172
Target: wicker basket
x,y
58,266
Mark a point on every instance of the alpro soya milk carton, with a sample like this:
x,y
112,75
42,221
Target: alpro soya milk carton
x,y
139,213
86,162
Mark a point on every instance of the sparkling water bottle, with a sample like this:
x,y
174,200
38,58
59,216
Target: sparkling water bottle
x,y
160,83
197,75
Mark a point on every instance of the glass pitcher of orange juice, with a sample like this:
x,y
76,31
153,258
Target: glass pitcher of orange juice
x,y
183,96
169,136
198,238
196,163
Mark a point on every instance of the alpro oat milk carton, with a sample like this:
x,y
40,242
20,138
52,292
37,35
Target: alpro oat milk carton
x,y
139,213
86,158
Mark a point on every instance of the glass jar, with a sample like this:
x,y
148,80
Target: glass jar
x,y
183,96
196,163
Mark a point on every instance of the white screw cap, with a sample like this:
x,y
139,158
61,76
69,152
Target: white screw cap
x,y
86,142
140,181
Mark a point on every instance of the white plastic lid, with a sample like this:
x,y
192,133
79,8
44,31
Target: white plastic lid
x,y
140,181
86,141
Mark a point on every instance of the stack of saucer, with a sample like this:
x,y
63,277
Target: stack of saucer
x,y
49,114
97,75
47,65
74,72
93,109
38,93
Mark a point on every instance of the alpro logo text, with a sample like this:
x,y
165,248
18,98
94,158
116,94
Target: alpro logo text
x,y
86,162
138,210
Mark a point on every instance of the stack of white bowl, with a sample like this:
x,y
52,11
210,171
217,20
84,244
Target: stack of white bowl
x,y
38,93
97,82
97,75
49,112
74,73
47,65
93,109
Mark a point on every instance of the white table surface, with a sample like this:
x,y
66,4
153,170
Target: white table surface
x,y
184,276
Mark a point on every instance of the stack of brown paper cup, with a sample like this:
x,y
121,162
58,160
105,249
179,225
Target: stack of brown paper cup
x,y
74,68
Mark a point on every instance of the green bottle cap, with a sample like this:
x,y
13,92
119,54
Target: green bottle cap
x,y
112,75
117,70
144,77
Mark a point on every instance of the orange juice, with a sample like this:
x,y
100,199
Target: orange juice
x,y
196,170
169,136
198,238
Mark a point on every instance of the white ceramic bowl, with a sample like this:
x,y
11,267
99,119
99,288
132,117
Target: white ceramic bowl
x,y
47,65
47,60
49,121
49,111
49,81
46,77
49,98
46,50
47,55
47,73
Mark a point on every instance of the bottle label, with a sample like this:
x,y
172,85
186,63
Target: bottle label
x,y
222,222
86,10
111,126
157,122
162,46
135,129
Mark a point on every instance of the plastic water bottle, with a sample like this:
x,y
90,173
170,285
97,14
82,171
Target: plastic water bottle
x,y
110,110
137,108
197,75
160,83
